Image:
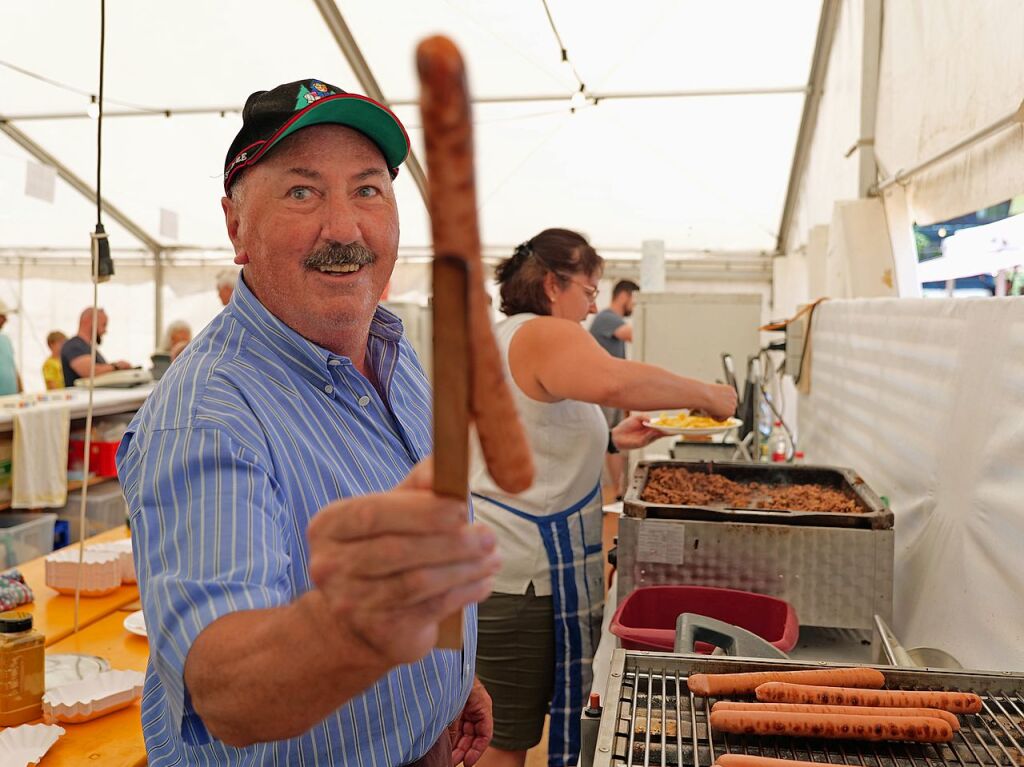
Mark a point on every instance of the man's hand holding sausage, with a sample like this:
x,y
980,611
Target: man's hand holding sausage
x,y
392,566
387,568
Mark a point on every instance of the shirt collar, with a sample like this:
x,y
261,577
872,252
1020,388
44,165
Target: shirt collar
x,y
310,359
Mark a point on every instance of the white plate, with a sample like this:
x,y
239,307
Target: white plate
x,y
136,623
729,425
27,744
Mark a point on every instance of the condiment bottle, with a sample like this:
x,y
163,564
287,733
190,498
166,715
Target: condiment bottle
x,y
21,669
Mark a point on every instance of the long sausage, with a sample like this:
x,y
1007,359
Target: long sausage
x,y
448,136
719,685
807,708
957,702
917,729
743,760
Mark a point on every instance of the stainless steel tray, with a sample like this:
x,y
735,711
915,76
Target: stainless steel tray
x,y
875,515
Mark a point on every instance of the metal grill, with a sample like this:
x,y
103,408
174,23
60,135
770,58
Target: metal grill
x,y
651,718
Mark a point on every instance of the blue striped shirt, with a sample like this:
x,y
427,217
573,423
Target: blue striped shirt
x,y
248,434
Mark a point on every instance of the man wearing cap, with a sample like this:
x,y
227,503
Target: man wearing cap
x,y
10,381
293,561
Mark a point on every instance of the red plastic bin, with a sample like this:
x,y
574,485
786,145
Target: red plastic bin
x,y
101,457
646,619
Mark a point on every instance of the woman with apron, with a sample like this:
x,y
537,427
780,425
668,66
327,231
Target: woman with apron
x,y
540,627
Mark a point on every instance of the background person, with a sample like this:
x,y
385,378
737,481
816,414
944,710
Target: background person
x,y
540,627
75,355
53,371
176,338
226,281
612,332
10,380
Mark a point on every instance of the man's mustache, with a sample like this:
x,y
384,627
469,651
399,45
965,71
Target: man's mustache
x,y
337,254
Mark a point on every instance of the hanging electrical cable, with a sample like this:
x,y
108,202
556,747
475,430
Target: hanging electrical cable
x,y
102,270
582,90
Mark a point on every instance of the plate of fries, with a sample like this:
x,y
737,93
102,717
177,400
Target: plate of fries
x,y
696,424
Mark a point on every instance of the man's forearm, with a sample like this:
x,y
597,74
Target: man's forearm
x,y
261,675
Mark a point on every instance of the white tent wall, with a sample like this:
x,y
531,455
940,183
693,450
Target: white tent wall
x,y
950,68
922,399
830,173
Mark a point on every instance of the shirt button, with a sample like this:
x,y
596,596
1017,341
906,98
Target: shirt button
x,y
328,389
364,401
334,363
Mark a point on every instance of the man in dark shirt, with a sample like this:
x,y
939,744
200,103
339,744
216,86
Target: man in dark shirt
x,y
612,331
75,355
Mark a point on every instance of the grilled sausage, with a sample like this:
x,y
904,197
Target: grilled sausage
x,y
917,729
957,702
742,760
448,135
807,708
719,685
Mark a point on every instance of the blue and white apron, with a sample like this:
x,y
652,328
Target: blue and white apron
x,y
572,541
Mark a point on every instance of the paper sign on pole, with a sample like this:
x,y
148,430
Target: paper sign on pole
x,y
168,224
40,181
652,266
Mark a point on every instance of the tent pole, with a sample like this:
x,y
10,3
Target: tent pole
x,y
343,36
870,64
827,24
158,298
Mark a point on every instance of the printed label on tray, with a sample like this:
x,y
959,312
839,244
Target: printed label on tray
x,y
660,541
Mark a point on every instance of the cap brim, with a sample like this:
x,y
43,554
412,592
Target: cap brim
x,y
359,113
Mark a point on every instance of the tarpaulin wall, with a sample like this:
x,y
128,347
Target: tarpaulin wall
x,y
923,398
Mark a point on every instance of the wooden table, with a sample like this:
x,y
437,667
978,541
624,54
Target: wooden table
x,y
53,613
114,740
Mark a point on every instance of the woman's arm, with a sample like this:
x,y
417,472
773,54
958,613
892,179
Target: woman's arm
x,y
554,359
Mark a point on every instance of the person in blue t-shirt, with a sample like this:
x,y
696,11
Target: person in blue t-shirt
x,y
10,381
75,355
613,332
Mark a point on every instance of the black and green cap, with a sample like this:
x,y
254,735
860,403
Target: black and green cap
x,y
269,116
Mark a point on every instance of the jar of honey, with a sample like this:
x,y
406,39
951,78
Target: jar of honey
x,y
21,669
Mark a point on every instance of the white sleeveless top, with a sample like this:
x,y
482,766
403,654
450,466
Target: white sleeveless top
x,y
568,440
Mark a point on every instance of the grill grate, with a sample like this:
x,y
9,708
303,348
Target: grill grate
x,y
656,725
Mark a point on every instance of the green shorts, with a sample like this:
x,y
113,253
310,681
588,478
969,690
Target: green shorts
x,y
515,661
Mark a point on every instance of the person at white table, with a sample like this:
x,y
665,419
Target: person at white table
x,y
75,355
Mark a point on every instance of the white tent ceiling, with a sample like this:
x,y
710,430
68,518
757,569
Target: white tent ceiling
x,y
701,173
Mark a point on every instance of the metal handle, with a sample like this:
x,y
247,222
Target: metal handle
x,y
894,651
734,640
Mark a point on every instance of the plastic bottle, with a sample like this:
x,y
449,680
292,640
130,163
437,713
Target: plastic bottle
x,y
21,669
779,443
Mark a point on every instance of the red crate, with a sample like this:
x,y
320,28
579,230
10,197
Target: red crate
x,y
646,619
101,457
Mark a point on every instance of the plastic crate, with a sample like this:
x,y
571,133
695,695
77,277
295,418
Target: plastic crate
x,y
101,457
646,618
25,536
105,509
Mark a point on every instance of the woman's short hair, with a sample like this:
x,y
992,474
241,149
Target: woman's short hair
x,y
561,252
173,328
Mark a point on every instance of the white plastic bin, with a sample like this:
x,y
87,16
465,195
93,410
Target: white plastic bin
x,y
25,536
105,509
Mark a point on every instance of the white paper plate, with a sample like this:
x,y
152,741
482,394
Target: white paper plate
x,y
101,571
729,425
136,623
103,694
27,744
124,549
